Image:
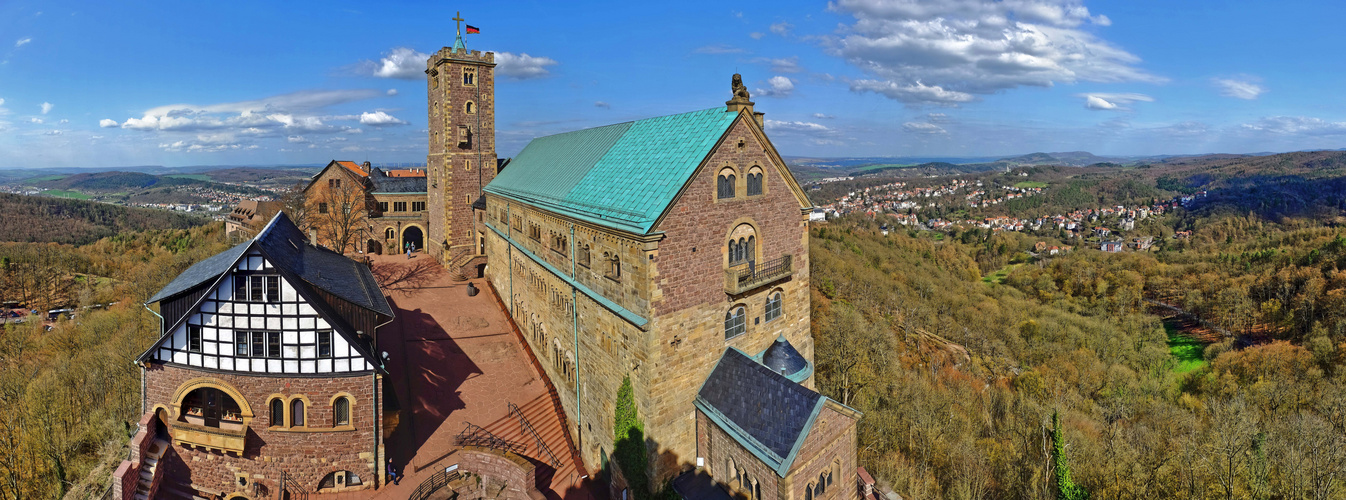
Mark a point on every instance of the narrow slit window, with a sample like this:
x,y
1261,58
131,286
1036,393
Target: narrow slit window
x,y
193,338
241,343
258,344
273,344
325,344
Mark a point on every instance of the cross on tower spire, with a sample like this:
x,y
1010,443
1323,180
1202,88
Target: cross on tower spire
x,y
458,27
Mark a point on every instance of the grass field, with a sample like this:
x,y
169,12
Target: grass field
x,y
199,177
1187,351
1030,184
998,277
61,193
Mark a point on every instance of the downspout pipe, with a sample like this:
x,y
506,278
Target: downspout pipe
x,y
144,398
575,330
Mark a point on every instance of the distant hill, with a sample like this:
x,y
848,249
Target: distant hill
x,y
104,181
37,219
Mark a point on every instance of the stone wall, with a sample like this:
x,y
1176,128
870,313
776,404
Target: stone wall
x,y
503,476
676,283
307,454
719,450
829,447
457,174
692,302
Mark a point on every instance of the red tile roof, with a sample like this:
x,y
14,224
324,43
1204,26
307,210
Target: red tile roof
x,y
354,168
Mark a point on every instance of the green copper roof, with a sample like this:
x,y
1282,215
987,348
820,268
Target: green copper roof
x,y
621,176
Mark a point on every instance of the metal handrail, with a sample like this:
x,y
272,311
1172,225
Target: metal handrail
x,y
288,486
472,435
432,484
528,427
748,276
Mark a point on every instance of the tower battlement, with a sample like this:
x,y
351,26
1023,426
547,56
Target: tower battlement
x,y
461,55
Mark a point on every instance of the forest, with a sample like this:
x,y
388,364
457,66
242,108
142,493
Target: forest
x,y
70,395
960,379
76,222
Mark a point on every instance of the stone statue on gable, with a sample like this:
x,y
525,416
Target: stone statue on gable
x,y
740,90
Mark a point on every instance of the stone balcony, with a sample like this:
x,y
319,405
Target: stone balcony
x,y
229,437
746,277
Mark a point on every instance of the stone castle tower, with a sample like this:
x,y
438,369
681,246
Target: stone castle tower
x,y
461,90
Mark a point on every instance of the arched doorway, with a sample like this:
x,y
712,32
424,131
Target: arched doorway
x,y
413,235
373,246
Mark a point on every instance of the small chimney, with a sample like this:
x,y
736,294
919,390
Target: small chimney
x,y
313,237
366,167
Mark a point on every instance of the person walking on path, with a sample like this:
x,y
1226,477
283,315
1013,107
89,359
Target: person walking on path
x,y
408,250
392,473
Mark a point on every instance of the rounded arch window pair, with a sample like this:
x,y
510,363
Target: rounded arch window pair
x,y
735,322
773,306
742,250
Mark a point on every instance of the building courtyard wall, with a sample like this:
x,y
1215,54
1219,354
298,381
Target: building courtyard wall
x,y
306,454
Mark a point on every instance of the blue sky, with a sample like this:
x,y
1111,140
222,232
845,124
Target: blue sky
x,y
88,84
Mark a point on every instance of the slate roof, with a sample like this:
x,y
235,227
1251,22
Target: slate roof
x,y
210,268
767,413
621,176
783,358
383,183
304,266
286,247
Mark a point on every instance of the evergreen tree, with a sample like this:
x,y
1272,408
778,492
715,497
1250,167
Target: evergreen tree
x,y
1066,489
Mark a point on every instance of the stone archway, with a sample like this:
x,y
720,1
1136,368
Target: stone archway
x,y
414,236
373,247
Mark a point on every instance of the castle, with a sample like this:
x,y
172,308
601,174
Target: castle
x,y
669,251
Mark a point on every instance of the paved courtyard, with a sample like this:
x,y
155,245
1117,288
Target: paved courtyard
x,y
453,360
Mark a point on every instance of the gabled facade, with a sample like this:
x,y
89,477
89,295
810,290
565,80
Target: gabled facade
x,y
761,435
356,207
266,364
645,249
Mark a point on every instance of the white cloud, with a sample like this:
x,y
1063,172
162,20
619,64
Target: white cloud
x,y
1239,88
718,48
391,92
197,147
379,119
108,123
756,35
782,28
522,66
821,116
794,126
1295,125
1112,102
35,120
296,139
917,93
937,117
779,87
781,65
601,104
295,112
22,42
52,132
46,107
976,46
923,128
401,62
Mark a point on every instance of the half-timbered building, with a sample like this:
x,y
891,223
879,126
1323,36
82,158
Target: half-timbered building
x,y
265,377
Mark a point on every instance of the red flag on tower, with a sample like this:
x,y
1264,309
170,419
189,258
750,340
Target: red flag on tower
x,y
473,29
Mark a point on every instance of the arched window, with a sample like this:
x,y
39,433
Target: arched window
x,y
614,270
742,250
297,413
808,492
277,413
583,256
735,322
341,411
773,306
389,233
210,407
469,108
724,185
754,181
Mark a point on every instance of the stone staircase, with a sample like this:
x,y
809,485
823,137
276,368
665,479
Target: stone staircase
x,y
148,465
545,420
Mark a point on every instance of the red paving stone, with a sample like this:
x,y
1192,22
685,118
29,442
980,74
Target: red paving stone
x,y
454,359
